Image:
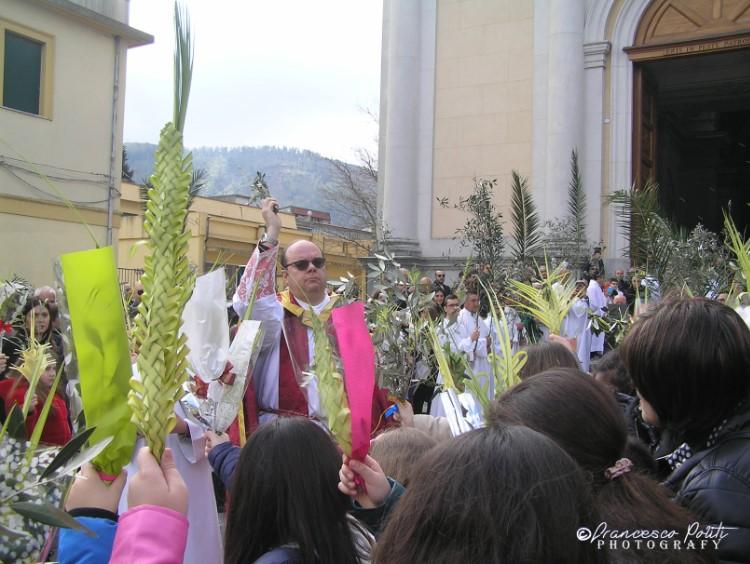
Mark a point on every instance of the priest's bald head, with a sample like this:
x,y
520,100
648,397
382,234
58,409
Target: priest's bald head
x,y
304,271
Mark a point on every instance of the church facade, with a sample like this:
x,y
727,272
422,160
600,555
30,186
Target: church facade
x,y
641,89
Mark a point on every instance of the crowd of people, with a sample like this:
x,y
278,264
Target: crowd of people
x,y
633,453
468,326
38,320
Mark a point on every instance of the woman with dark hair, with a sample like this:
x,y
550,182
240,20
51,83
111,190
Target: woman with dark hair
x,y
39,317
492,495
545,355
690,362
43,315
438,297
285,502
582,417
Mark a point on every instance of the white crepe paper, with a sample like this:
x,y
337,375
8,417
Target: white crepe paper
x,y
205,324
227,398
474,416
224,396
454,412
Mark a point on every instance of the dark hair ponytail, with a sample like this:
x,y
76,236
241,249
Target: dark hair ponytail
x,y
581,415
504,494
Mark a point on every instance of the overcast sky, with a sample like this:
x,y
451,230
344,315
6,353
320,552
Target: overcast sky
x,y
292,73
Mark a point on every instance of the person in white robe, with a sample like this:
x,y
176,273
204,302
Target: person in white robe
x,y
475,341
449,331
576,327
598,304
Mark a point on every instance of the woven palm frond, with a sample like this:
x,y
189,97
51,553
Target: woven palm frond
x,y
168,279
333,398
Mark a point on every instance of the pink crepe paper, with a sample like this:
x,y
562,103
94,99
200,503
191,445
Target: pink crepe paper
x,y
358,361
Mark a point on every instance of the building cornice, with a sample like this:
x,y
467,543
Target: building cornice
x,y
131,36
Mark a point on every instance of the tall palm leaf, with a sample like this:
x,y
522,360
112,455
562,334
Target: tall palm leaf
x,y
526,234
550,301
167,279
577,204
739,247
648,233
506,366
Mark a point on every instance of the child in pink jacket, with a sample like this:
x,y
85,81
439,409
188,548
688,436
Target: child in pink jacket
x,y
152,531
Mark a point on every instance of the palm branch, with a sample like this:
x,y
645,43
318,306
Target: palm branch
x,y
333,398
35,359
526,234
648,233
550,303
739,247
577,204
167,279
506,367
449,381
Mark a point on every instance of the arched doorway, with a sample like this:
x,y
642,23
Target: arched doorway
x,y
691,108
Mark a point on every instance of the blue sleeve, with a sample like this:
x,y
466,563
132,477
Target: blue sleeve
x,y
223,459
76,547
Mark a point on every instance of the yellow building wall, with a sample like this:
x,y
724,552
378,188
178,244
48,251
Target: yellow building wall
x,y
483,97
65,153
31,245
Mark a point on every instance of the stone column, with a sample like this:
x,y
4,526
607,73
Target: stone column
x,y
592,153
539,102
564,100
399,123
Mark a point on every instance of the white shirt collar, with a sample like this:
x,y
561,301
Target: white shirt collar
x,y
316,309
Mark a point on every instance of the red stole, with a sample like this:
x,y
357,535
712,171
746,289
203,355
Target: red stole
x,y
292,399
293,361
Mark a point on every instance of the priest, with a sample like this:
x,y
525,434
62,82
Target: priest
x,y
281,384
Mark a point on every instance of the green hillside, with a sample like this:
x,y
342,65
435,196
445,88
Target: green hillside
x,y
295,177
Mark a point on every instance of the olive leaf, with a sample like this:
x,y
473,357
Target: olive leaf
x,y
49,515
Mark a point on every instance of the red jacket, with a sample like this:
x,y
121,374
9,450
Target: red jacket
x,y
57,428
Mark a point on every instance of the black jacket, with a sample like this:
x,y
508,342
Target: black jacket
x,y
715,485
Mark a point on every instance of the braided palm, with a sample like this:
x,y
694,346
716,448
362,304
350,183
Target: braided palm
x,y
331,387
167,277
168,283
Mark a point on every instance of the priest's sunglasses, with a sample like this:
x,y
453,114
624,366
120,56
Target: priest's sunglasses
x,y
304,264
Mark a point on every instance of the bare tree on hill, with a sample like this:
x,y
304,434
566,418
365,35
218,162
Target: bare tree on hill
x,y
353,192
